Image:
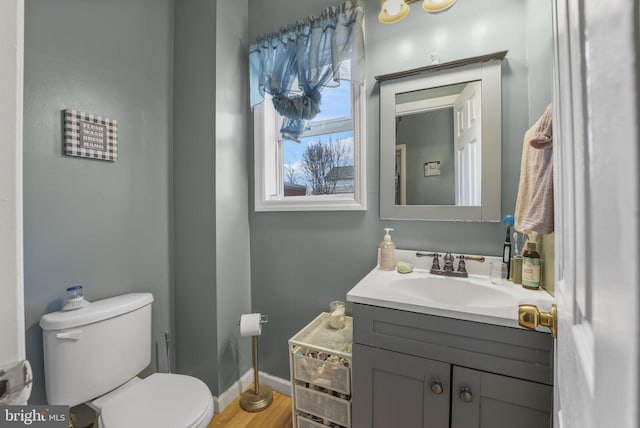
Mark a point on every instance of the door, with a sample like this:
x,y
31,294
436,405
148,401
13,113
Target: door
x,y
401,174
467,139
403,390
486,400
596,198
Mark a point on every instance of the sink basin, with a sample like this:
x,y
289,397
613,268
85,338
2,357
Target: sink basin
x,y
473,299
452,291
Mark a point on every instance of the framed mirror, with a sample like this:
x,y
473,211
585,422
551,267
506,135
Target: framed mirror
x,y
440,141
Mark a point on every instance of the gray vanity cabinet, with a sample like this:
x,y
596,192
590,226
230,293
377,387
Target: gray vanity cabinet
x,y
496,401
416,370
395,390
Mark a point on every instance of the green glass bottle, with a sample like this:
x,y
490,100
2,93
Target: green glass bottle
x,y
531,267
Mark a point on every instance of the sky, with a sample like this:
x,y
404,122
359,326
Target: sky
x,y
336,103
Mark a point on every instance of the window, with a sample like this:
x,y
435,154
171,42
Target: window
x,y
305,87
325,170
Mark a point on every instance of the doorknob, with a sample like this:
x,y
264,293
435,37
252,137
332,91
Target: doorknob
x,y
530,317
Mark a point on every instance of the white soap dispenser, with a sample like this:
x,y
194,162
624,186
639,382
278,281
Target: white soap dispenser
x,y
387,251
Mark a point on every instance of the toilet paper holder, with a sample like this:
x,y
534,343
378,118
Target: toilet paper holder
x,y
260,397
264,319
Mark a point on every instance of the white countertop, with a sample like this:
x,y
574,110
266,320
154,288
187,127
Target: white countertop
x,y
498,303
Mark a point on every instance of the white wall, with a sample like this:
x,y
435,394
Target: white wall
x,y
11,277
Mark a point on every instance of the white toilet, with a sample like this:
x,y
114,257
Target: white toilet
x,y
93,355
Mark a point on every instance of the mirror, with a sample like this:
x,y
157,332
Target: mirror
x,y
437,161
440,133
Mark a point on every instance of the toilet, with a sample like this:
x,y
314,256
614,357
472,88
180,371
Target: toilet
x,y
93,355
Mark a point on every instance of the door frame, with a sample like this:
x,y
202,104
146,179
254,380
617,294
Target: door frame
x,y
12,326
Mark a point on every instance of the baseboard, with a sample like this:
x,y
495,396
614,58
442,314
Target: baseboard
x,y
223,400
283,386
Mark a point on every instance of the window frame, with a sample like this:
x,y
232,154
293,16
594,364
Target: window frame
x,y
268,158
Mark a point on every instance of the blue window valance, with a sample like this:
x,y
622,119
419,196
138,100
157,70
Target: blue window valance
x,y
295,63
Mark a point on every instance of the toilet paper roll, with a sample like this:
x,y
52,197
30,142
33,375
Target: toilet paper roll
x,y
250,325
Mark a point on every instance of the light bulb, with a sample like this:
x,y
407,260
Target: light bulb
x,y
392,11
393,7
434,6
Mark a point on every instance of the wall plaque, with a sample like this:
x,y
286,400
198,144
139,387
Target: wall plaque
x,y
90,136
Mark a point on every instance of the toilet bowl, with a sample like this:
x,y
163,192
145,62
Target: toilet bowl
x,y
93,355
160,400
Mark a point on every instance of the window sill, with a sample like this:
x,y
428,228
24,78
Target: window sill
x,y
318,203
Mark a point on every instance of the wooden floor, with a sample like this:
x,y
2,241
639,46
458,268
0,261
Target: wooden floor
x,y
277,415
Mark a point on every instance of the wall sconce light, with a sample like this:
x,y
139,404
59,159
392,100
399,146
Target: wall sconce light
x,y
394,10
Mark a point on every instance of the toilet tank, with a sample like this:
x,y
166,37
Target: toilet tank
x,y
90,351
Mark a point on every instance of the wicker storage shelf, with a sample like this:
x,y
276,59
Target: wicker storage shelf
x,y
320,365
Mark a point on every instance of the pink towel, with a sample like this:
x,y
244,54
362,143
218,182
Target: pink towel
x,y
534,205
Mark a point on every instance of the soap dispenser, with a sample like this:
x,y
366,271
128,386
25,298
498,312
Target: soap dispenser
x,y
387,251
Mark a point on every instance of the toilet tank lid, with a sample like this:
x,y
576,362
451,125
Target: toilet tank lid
x,y
99,310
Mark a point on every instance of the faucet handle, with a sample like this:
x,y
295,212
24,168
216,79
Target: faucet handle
x,y
436,261
423,254
479,259
462,265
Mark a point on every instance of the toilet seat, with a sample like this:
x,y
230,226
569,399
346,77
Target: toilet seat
x,y
161,401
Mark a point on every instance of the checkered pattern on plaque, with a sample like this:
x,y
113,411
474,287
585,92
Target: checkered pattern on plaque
x,y
90,136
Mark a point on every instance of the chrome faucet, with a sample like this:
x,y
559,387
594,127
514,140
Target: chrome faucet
x,y
448,262
448,269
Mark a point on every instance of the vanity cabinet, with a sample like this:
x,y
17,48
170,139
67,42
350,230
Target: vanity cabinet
x,y
418,370
395,389
486,400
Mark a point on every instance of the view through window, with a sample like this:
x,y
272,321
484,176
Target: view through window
x,y
322,163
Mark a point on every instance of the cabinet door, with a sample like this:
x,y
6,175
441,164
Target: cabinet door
x,y
487,400
392,390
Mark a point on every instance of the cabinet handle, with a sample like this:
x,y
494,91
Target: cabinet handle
x,y
465,395
436,387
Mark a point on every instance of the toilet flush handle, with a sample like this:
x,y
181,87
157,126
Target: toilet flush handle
x,y
70,335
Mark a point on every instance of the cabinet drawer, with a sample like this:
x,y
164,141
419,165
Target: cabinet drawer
x,y
322,373
323,405
308,423
514,352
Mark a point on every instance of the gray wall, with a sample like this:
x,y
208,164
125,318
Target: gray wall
x,y
101,224
539,43
108,225
301,261
429,137
194,191
211,223
233,279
